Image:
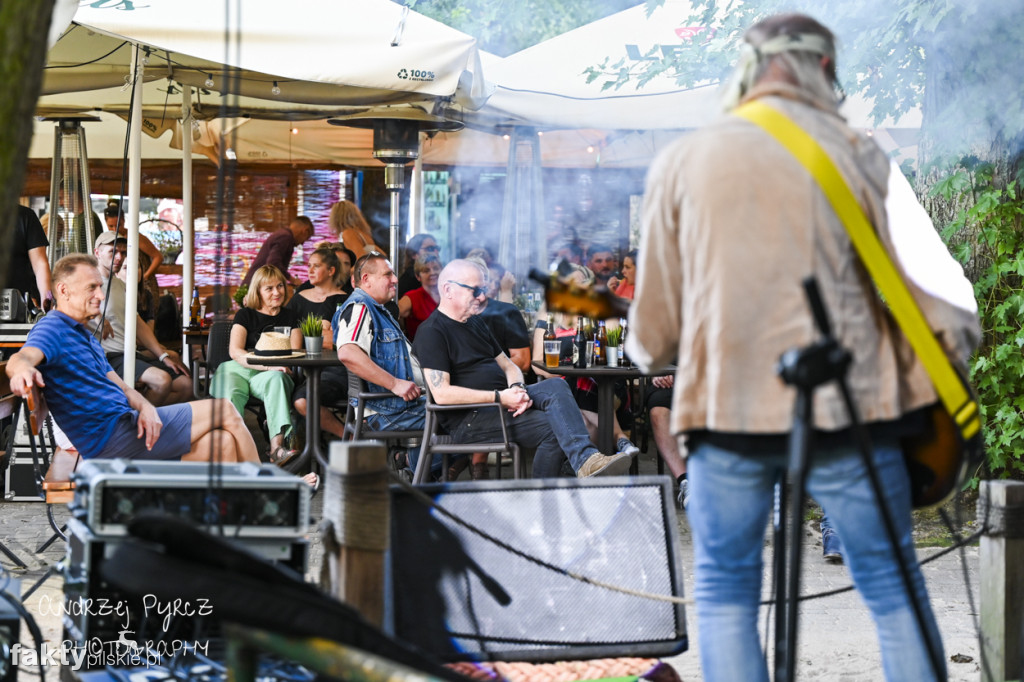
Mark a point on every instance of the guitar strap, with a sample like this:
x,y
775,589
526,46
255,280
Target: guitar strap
x,y
955,396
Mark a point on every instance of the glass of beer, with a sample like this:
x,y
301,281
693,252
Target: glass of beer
x,y
551,352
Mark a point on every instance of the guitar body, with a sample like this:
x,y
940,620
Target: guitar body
x,y
938,461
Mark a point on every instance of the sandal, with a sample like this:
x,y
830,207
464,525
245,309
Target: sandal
x,y
281,455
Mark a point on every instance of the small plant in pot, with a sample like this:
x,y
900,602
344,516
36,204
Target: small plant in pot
x,y
312,327
612,346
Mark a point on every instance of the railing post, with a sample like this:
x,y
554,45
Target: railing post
x,y
1001,512
357,524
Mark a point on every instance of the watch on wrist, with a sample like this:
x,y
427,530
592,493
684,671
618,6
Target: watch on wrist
x,y
520,384
163,356
497,396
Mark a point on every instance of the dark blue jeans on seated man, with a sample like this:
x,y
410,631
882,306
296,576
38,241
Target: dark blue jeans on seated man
x,y
553,427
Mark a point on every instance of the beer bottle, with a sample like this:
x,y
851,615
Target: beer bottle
x,y
193,319
549,335
623,358
600,344
579,345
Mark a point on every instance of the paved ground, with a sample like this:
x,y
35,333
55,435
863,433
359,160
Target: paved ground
x,y
836,638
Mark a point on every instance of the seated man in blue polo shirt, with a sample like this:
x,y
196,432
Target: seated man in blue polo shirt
x,y
101,415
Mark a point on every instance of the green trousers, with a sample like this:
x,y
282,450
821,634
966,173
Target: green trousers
x,y
272,388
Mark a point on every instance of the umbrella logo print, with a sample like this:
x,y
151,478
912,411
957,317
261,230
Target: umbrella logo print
x,y
403,74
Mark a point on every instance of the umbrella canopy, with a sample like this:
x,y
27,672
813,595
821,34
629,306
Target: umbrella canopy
x,y
376,50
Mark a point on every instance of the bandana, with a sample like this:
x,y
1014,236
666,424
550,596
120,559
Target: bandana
x,y
742,78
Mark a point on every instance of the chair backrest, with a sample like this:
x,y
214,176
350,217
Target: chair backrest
x,y
435,442
217,344
355,427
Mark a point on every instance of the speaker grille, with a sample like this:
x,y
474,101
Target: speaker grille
x,y
460,596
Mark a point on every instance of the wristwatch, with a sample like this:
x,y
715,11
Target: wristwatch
x,y
163,356
519,384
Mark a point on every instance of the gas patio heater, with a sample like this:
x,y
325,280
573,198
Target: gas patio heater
x,y
396,142
72,225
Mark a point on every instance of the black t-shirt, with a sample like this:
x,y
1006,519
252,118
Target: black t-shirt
x,y
507,324
465,350
325,309
255,323
28,235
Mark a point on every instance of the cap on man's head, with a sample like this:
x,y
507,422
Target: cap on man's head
x,y
108,237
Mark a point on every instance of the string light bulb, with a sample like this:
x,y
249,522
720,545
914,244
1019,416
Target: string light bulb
x,y
145,56
590,150
505,136
295,131
209,80
276,90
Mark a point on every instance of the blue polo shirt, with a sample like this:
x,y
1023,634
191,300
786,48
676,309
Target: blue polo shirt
x,y
85,402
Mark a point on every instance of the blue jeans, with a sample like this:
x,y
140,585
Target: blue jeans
x,y
553,426
409,420
730,500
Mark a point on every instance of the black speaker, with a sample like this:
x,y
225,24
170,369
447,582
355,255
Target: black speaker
x,y
499,588
10,629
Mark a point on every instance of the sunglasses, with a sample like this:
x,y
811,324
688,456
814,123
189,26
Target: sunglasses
x,y
476,291
435,247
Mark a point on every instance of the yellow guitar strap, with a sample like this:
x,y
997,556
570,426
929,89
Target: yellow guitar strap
x,y
957,400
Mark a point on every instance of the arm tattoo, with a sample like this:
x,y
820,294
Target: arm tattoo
x,y
435,376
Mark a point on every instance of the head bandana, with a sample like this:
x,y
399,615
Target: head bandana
x,y
751,58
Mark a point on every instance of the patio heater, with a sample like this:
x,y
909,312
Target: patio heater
x,y
396,142
71,218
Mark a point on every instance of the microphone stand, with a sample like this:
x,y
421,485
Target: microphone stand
x,y
806,369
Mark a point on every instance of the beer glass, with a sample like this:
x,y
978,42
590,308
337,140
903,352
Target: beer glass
x,y
551,352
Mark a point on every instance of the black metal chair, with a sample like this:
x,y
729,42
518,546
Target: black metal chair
x,y
8,409
356,427
436,442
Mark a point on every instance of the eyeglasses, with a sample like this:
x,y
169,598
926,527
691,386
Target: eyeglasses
x,y
433,247
476,291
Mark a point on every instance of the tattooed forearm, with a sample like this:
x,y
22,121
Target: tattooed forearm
x,y
434,376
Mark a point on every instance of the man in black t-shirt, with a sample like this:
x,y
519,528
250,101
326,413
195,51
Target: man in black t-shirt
x,y
463,363
29,269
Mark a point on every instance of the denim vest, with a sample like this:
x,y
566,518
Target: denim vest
x,y
388,350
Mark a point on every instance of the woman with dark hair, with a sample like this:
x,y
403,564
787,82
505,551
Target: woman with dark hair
x,y
420,246
623,286
323,298
323,295
237,380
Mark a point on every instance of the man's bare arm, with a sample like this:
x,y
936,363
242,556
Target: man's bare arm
x,y
21,369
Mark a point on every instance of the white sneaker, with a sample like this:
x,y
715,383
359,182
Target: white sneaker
x,y
683,498
625,446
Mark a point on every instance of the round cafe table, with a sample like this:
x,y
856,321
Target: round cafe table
x,y
312,365
605,378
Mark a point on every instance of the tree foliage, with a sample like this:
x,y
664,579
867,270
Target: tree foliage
x,y
507,26
955,59
23,28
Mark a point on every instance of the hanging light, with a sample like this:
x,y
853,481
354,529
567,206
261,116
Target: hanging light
x,y
145,56
295,131
209,80
275,90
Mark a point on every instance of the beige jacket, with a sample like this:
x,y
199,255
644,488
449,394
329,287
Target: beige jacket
x,y
731,226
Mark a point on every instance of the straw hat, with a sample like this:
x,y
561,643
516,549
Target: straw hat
x,y
275,344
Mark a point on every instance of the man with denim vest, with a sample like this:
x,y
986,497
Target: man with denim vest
x,y
372,346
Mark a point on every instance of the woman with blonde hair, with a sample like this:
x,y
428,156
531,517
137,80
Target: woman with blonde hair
x,y
348,223
237,380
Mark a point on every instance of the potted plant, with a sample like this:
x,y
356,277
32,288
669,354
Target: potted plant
x,y
612,347
312,327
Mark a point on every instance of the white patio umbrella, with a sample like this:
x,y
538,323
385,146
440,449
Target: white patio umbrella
x,y
294,62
